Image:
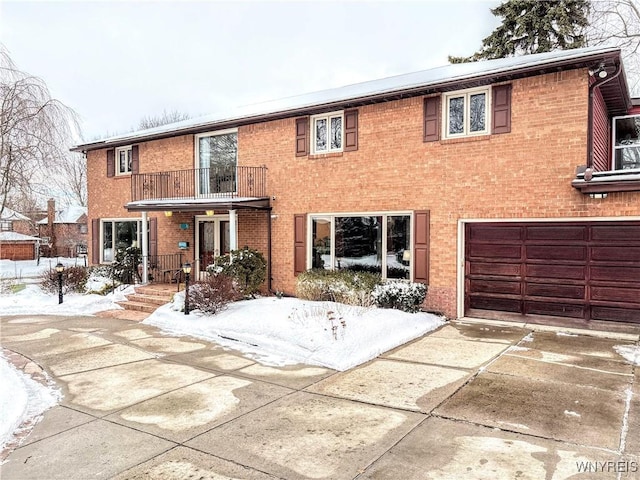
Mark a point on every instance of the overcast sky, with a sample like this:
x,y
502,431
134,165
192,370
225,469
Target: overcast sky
x,y
116,62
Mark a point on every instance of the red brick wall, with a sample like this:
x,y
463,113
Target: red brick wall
x,y
523,174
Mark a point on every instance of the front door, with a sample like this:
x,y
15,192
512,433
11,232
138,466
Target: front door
x,y
213,241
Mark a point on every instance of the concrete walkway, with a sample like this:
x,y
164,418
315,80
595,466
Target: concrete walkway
x,y
468,401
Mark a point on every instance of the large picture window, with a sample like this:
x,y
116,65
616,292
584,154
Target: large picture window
x,y
217,158
466,113
119,235
626,145
379,243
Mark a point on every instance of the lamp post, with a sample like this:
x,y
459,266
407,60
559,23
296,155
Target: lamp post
x,y
186,268
59,269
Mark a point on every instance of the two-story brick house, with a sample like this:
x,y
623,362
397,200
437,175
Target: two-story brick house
x,y
511,187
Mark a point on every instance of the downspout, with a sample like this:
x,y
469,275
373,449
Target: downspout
x,y
269,286
592,88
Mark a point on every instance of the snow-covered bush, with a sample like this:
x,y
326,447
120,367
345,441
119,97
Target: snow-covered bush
x,y
74,279
213,294
405,296
246,266
100,280
342,286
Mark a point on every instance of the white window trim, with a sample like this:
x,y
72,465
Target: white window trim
x,y
196,139
327,117
615,147
467,107
113,220
384,215
117,159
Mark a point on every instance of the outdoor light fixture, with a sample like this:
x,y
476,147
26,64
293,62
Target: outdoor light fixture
x,y
168,213
59,269
210,213
598,195
406,255
186,268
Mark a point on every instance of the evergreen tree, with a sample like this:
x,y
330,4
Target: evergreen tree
x,y
533,26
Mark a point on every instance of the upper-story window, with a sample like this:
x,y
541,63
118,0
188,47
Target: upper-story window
x,y
466,113
326,132
6,225
217,158
626,142
123,160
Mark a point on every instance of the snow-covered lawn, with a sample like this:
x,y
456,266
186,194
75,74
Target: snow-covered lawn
x,y
285,331
22,402
10,269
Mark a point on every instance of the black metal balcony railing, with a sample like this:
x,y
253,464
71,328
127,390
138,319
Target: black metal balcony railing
x,y
214,182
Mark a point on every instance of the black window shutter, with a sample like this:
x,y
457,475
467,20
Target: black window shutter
x,y
135,159
111,162
431,119
350,130
501,118
299,243
302,136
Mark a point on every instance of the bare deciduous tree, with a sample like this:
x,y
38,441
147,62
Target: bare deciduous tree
x,y
617,23
163,119
35,131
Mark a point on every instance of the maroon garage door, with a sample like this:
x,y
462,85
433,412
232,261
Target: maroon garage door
x,y
582,272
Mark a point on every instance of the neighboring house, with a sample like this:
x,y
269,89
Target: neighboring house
x,y
63,232
12,221
511,187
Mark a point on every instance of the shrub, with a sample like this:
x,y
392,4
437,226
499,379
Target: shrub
x,y
100,280
74,279
125,266
405,296
213,294
342,286
246,266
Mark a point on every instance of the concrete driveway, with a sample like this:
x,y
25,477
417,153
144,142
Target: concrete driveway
x,y
467,401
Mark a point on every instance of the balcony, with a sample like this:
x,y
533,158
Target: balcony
x,y
198,188
597,183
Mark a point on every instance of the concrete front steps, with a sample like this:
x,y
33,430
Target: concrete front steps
x,y
149,297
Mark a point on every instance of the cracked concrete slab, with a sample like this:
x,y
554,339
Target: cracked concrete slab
x,y
214,358
95,450
292,376
102,391
583,415
541,370
93,358
189,411
185,463
391,383
309,436
460,330
441,449
168,345
448,352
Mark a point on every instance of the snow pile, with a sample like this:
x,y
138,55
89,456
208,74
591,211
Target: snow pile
x,y
288,331
32,300
631,353
22,402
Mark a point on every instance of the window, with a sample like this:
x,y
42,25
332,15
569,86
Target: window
x,y
123,160
378,243
118,235
466,113
217,159
6,226
82,228
326,132
626,142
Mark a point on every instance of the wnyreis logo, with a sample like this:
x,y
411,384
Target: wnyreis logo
x,y
620,466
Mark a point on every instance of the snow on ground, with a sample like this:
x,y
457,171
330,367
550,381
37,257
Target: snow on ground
x,y
32,300
22,401
631,353
285,331
30,269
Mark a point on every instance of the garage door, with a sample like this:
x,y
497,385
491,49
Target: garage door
x,y
582,272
